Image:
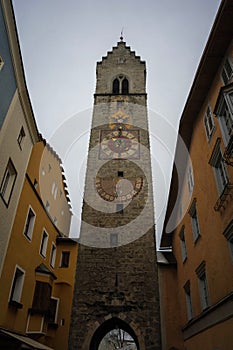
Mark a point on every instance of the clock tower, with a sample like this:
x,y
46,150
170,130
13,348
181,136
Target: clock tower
x,y
116,284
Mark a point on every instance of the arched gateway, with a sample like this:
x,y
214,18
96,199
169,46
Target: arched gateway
x,y
114,339
116,280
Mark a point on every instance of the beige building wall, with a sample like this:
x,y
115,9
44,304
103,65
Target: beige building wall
x,y
12,148
47,175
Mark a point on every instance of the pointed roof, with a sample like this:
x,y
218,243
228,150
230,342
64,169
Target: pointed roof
x,y
121,45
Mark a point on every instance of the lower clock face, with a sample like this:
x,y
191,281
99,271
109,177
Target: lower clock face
x,y
119,145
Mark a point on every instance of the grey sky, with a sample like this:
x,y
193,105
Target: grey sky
x,y
61,41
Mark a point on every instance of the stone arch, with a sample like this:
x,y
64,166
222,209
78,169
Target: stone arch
x,y
106,327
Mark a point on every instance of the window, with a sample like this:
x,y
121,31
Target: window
x,y
224,112
42,295
218,165
17,287
194,221
119,208
120,173
183,244
188,300
227,71
203,286
65,258
114,239
53,255
8,182
116,85
54,190
228,233
1,63
44,242
28,229
209,123
53,310
190,179
21,137
120,85
125,86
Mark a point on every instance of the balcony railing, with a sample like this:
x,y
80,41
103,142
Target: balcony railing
x,y
224,198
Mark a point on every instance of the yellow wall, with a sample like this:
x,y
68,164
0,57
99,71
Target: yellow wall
x,y
26,254
211,247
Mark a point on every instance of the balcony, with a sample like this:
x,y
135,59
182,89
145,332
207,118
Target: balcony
x,y
225,197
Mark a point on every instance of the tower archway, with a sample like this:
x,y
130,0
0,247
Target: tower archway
x,y
114,330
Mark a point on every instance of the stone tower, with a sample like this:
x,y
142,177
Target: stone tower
x,y
116,282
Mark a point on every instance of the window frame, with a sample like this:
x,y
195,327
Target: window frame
x,y
218,165
190,178
16,289
207,118
53,255
194,221
21,137
62,260
188,299
226,77
44,243
8,182
183,244
114,240
228,234
203,285
1,63
122,83
29,225
55,318
41,296
224,112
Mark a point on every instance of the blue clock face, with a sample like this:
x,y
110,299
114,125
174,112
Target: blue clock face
x,y
123,145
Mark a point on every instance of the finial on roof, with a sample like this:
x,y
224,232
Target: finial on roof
x,y
121,37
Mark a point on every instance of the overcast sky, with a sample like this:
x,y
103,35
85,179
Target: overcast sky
x,y
61,41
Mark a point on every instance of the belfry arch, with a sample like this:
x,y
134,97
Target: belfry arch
x,y
106,327
120,85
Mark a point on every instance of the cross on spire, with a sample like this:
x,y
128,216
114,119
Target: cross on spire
x,y
121,37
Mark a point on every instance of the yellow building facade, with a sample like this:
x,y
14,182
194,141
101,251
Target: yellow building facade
x,y
199,220
39,269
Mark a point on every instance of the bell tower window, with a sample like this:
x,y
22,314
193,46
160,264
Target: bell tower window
x,y
125,87
120,85
116,85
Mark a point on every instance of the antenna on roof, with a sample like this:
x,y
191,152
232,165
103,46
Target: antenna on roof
x,y
121,37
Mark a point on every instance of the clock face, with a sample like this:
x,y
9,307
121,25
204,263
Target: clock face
x,y
118,189
119,144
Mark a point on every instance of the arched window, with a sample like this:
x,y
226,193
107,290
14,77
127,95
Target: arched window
x,y
125,87
116,86
120,85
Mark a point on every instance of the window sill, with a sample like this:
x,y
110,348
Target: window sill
x,y
15,304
